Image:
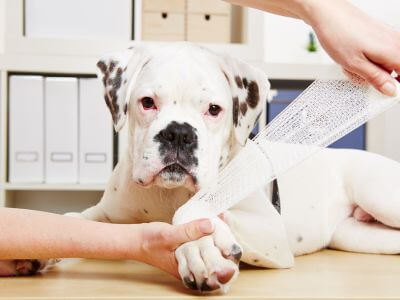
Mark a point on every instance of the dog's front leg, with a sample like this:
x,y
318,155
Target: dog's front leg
x,y
94,213
260,230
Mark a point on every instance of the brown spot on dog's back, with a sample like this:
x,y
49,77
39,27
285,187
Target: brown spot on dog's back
x,y
253,95
235,110
239,82
145,211
243,108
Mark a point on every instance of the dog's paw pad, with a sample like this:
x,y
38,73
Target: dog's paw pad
x,y
225,275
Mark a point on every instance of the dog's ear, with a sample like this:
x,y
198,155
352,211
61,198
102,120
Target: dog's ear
x,y
118,72
249,87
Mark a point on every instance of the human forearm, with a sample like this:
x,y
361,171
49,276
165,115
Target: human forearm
x,y
33,234
299,9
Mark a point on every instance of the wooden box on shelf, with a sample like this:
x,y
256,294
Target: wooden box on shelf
x,y
163,20
208,21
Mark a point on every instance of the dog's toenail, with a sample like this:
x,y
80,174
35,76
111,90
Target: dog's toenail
x,y
236,252
189,283
35,265
205,287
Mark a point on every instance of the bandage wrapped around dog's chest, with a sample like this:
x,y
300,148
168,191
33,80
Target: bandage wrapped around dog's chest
x,y
323,113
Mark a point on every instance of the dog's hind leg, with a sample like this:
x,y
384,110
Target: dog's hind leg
x,y
373,183
372,237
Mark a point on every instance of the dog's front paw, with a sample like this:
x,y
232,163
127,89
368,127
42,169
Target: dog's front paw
x,y
210,263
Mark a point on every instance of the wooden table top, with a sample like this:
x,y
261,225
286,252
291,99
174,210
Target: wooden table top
x,y
326,274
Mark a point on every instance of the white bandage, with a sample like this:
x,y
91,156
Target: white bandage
x,y
326,111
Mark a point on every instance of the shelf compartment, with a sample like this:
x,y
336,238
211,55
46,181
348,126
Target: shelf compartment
x,y
53,187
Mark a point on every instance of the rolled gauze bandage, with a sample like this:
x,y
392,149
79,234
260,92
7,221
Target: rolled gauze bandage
x,y
326,111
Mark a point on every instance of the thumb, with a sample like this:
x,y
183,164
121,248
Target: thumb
x,y
376,76
191,231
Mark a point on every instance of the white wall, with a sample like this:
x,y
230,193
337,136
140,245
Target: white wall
x,y
2,24
286,39
387,11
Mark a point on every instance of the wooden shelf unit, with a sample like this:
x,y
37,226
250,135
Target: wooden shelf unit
x,y
78,57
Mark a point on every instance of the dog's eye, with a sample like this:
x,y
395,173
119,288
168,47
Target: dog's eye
x,y
214,110
148,103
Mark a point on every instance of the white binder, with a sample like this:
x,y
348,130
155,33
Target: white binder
x,y
95,133
26,129
61,130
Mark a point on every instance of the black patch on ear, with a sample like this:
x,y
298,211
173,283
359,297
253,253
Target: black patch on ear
x,y
235,110
243,108
102,66
253,95
112,66
245,82
125,108
112,83
116,81
239,82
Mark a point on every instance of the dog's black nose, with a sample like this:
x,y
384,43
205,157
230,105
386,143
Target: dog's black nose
x,y
179,134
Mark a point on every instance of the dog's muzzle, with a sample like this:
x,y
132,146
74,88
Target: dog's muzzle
x,y
178,143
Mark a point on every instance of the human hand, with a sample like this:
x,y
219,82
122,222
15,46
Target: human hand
x,y
358,42
159,241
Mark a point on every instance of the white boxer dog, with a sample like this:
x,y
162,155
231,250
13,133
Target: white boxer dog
x,y
189,111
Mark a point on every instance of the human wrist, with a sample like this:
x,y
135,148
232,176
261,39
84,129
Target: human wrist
x,y
127,241
108,241
307,10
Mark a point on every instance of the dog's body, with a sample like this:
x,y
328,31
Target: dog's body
x,y
190,111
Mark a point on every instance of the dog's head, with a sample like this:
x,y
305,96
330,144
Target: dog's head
x,y
187,108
